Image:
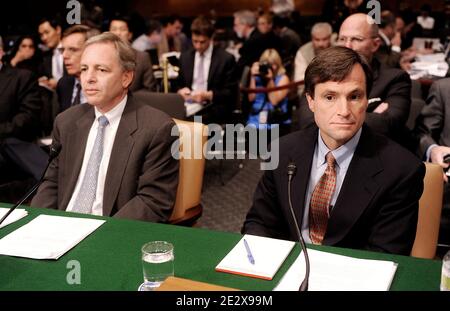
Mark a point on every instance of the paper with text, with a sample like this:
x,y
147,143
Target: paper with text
x,y
268,254
47,237
13,217
331,272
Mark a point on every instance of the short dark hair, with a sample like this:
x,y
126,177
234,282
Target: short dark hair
x,y
335,64
387,19
54,22
123,18
201,26
171,19
152,25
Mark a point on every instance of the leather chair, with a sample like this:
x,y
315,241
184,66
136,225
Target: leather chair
x,y
170,103
430,206
187,208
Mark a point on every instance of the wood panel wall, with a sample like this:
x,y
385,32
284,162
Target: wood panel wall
x,y
191,8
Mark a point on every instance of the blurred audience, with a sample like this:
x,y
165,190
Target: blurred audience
x,y
320,40
143,73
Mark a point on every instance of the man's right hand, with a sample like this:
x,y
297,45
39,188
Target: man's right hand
x,y
437,155
185,93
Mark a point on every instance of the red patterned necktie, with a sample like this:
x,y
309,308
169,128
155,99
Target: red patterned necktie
x,y
320,201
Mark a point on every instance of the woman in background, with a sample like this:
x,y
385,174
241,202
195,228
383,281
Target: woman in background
x,y
269,109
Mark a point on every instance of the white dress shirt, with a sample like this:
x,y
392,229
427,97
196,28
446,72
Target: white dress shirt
x,y
198,85
83,99
113,117
57,63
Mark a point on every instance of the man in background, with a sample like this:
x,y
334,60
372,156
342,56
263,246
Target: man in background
x,y
206,74
143,76
320,40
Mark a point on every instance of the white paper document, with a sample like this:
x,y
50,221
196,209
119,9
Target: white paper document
x,y
14,216
268,255
47,237
192,108
331,272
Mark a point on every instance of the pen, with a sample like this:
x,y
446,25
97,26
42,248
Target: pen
x,y
249,253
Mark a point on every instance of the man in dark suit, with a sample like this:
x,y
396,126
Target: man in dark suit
x,y
69,86
52,64
352,188
116,152
433,132
206,74
254,44
390,97
20,107
143,76
389,51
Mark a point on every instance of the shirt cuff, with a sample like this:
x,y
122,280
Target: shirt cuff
x,y
396,48
428,153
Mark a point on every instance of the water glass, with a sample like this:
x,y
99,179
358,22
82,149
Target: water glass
x,y
157,263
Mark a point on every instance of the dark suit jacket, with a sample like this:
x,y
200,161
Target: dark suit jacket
x,y
390,85
377,206
64,90
20,104
433,123
46,66
387,56
142,176
253,47
221,81
143,74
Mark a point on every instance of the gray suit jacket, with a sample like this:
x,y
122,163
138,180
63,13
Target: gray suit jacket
x,y
433,123
143,74
142,176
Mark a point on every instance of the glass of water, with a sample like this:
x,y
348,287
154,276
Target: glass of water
x,y
157,263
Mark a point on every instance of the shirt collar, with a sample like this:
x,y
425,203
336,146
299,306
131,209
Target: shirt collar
x,y
384,37
115,113
208,52
343,154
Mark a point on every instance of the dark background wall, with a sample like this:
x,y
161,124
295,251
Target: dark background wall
x,y
19,16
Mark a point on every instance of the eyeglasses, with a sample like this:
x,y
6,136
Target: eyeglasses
x,y
353,40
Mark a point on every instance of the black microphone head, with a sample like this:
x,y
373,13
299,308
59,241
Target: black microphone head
x,y
55,149
291,168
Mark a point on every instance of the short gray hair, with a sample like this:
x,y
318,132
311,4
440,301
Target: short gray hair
x,y
246,17
127,55
322,27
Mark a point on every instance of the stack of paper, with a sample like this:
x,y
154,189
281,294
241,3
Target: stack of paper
x,y
14,216
268,255
47,237
330,272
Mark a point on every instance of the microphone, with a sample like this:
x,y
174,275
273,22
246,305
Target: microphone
x,y
291,170
55,149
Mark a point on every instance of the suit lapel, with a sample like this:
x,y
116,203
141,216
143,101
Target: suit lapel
x,y
122,147
357,190
213,67
74,154
303,161
190,69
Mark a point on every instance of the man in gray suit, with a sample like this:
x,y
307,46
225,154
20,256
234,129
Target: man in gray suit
x,y
433,132
116,152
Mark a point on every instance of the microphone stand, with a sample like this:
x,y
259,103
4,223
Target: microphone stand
x,y
304,285
54,151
